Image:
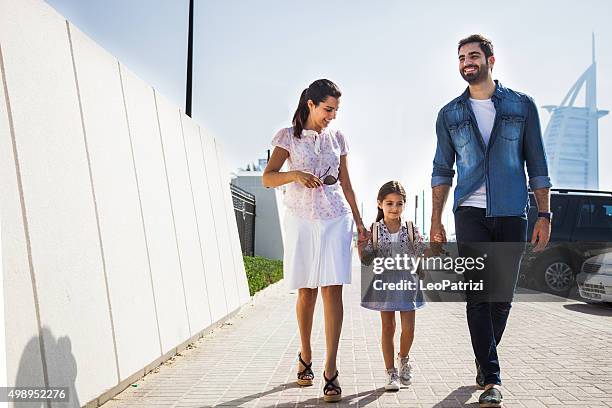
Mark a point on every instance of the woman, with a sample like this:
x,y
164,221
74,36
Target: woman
x,y
318,226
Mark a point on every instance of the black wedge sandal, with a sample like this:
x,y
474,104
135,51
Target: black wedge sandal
x,y
331,387
305,377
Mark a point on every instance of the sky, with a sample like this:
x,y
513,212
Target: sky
x,y
395,62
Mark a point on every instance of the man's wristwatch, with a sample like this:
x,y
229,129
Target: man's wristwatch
x,y
547,215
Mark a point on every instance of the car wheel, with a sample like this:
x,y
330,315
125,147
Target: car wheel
x,y
556,276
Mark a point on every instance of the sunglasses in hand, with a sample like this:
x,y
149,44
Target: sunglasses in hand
x,y
326,178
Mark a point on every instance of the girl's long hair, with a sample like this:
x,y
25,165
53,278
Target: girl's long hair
x,y
317,92
386,189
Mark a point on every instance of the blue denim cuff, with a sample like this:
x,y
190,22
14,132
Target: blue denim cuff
x,y
539,182
439,180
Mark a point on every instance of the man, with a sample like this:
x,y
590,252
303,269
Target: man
x,y
491,132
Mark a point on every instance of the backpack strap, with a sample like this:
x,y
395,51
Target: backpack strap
x,y
410,228
411,236
375,235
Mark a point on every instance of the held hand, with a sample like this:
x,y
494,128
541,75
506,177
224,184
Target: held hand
x,y
363,235
541,234
437,232
361,244
307,179
437,236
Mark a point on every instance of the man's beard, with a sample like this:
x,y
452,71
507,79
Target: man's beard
x,y
476,77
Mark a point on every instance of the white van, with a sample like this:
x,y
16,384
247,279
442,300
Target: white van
x,y
595,278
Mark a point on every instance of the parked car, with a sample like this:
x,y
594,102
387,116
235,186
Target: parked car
x,y
595,279
581,228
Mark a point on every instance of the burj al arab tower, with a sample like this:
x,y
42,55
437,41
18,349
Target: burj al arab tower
x,y
571,136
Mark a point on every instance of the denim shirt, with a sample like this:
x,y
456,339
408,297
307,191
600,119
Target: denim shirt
x,y
516,140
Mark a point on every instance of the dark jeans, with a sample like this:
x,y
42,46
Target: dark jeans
x,y
487,315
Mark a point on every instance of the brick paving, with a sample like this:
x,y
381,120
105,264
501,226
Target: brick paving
x,y
554,354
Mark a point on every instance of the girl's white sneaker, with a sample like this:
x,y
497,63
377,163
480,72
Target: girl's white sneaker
x,y
393,382
405,370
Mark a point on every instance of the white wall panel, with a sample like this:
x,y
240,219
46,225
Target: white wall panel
x,y
243,285
219,209
156,207
212,265
194,286
65,248
24,364
114,226
116,191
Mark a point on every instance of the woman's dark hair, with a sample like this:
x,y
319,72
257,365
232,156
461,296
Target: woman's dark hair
x,y
317,92
389,187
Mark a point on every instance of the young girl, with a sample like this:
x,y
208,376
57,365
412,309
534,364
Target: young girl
x,y
391,235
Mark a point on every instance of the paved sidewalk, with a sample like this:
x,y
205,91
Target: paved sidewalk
x,y
556,354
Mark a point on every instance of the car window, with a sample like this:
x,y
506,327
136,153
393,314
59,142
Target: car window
x,y
595,213
558,204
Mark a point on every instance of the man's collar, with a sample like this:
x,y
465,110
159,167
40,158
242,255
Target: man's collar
x,y
496,95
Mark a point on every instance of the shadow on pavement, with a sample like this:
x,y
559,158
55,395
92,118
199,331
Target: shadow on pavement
x,y
248,398
460,395
361,398
597,309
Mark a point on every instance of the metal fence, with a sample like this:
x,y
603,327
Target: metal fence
x,y
244,208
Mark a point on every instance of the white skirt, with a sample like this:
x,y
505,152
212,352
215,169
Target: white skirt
x,y
317,252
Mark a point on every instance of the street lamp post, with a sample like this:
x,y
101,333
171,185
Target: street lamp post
x,y
189,61
416,206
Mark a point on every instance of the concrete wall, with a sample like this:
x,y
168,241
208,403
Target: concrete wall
x,y
118,243
268,218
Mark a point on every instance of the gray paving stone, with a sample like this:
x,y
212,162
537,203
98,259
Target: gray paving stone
x,y
551,356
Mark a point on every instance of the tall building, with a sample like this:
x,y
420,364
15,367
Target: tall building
x,y
571,136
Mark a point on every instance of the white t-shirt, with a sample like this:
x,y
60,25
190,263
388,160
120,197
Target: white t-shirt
x,y
394,238
484,110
